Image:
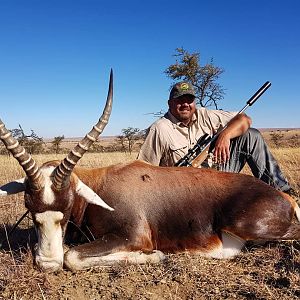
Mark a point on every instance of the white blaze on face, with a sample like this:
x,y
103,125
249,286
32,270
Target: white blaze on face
x,y
48,196
49,254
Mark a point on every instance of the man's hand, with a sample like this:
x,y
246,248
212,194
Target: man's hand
x,y
222,152
235,127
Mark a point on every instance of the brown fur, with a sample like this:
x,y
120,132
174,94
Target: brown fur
x,y
178,209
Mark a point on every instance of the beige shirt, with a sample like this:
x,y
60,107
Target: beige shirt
x,y
168,139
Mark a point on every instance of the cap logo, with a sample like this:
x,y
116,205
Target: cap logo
x,y
184,86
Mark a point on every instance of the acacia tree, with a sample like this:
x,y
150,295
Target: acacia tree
x,y
56,143
203,78
31,142
129,137
121,141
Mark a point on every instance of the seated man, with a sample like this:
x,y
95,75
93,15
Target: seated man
x,y
170,138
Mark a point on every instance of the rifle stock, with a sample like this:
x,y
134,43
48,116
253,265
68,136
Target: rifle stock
x,y
199,159
197,155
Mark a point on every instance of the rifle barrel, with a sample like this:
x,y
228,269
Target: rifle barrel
x,y
259,93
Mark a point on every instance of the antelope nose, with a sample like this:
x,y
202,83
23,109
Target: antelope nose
x,y
49,265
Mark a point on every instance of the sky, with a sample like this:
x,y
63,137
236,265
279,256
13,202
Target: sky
x,y
56,57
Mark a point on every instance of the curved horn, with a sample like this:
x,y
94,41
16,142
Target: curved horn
x,y
25,160
63,171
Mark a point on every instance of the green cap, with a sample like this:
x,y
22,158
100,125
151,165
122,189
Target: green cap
x,y
180,89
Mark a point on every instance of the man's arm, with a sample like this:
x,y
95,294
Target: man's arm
x,y
236,127
151,151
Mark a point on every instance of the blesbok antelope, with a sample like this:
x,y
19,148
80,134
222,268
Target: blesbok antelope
x,y
136,212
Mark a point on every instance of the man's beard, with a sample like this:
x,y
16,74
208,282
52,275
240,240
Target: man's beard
x,y
184,116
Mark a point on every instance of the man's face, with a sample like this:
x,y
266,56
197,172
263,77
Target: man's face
x,y
183,108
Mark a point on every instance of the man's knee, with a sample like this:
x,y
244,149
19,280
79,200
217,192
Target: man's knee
x,y
249,141
253,132
254,137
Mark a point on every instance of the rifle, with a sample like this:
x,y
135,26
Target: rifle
x,y
205,144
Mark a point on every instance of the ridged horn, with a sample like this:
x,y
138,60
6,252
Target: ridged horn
x,y
28,164
63,171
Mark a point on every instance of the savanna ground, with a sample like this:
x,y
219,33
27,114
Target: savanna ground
x,y
270,271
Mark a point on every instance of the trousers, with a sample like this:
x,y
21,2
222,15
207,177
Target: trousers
x,y
252,149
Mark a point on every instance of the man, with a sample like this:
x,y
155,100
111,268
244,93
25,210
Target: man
x,y
170,138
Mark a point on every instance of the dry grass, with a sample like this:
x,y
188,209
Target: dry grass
x,y
271,271
289,159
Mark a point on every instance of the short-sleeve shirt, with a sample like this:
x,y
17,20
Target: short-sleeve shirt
x,y
168,139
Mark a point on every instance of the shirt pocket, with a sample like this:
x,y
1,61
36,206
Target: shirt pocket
x,y
178,150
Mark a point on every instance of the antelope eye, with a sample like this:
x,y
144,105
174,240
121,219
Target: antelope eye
x,y
28,202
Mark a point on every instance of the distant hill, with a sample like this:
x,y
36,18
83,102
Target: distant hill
x,y
112,137
277,129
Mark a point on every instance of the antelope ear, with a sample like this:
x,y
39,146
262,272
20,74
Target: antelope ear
x,y
90,196
13,187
